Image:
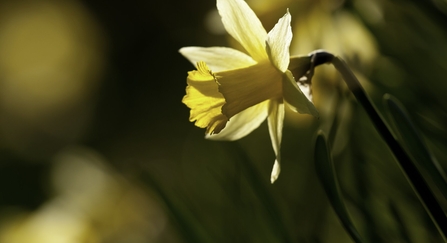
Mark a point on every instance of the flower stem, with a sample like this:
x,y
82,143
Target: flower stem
x,y
410,170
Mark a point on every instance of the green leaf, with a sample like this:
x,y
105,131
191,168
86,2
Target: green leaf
x,y
401,224
188,225
326,174
414,143
261,187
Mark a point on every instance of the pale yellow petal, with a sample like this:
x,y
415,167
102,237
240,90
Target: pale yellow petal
x,y
244,26
275,123
295,98
278,43
204,100
245,87
217,58
243,123
275,171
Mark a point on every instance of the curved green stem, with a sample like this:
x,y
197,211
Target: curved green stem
x,y
326,173
409,168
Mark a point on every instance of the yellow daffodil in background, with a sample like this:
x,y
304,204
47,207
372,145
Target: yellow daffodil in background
x,y
232,93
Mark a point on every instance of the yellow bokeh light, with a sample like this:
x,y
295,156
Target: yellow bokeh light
x,y
51,57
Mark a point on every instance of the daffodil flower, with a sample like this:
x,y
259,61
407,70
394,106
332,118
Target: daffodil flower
x,y
232,93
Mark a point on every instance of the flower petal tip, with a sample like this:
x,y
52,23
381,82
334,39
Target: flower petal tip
x,y
275,172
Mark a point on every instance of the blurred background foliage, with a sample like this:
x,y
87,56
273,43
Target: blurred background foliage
x,y
96,146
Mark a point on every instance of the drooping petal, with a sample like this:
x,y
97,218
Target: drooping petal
x,y
204,100
245,87
295,98
275,123
217,58
244,26
243,123
275,171
278,43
